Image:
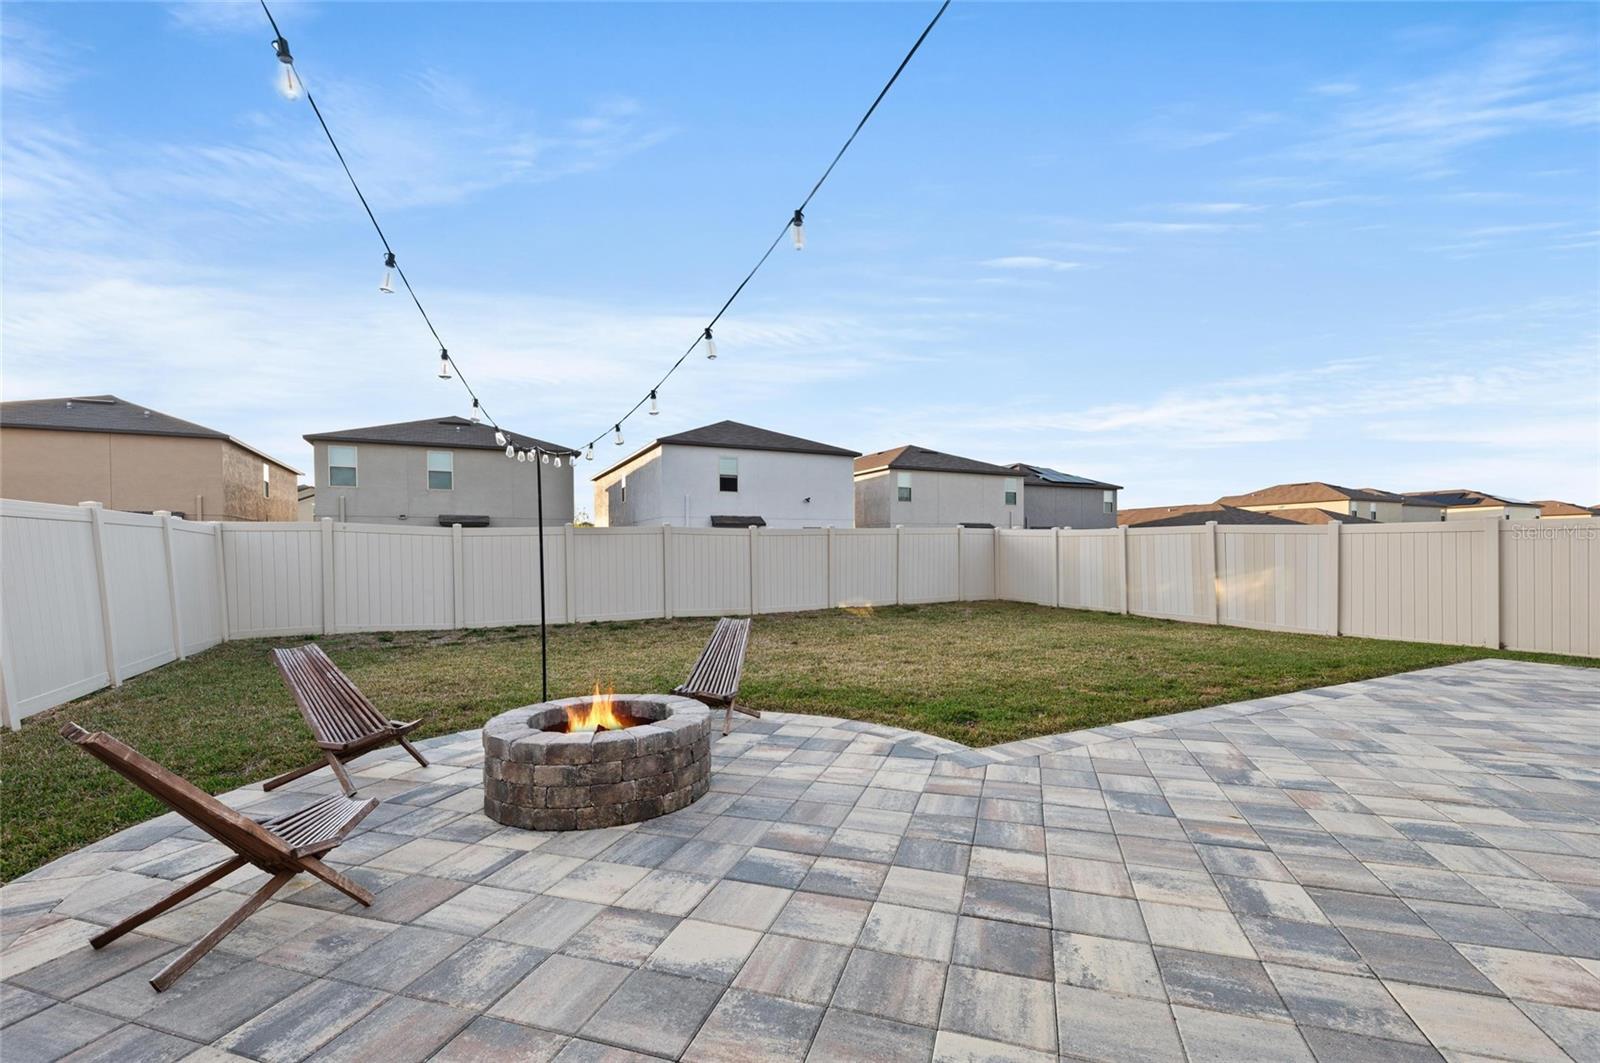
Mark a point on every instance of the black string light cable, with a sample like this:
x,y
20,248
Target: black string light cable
x,y
795,225
293,86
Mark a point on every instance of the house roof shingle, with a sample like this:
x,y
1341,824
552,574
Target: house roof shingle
x,y
732,435
1191,515
108,413
455,432
1044,476
912,458
1551,507
1461,496
1308,492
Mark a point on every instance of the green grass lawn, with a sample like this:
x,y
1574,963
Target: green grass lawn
x,y
980,673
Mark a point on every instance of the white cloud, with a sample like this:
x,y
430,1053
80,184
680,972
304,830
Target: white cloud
x,y
1215,208
1031,262
1157,228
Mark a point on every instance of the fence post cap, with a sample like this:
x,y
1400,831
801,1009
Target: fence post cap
x,y
161,512
92,505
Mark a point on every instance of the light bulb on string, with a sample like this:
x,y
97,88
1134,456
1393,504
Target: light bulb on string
x,y
511,449
655,409
288,81
544,457
588,453
711,346
798,225
522,456
444,364
499,436
388,273
617,428
557,461
474,411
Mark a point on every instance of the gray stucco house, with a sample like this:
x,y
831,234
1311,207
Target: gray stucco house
x,y
1061,500
441,471
915,487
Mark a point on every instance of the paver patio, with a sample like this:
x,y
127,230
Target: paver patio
x,y
1393,869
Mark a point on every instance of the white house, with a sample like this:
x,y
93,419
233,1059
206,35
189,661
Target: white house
x,y
921,488
729,475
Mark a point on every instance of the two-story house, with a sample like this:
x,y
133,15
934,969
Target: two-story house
x,y
916,487
99,448
443,471
1386,507
1054,499
1462,504
728,475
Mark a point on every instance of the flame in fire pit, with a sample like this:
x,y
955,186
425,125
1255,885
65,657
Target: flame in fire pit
x,y
599,715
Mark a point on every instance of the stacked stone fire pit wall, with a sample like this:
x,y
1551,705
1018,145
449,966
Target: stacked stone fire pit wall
x,y
550,780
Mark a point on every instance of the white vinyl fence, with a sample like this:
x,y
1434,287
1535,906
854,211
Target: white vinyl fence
x,y
89,597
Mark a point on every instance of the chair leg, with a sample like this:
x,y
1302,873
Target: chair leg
x,y
290,776
170,901
727,721
406,742
344,777
336,880
174,970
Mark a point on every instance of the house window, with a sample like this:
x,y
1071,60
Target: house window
x,y
1355,509
441,470
727,474
1108,501
341,466
1011,491
622,489
266,481
903,487
1372,510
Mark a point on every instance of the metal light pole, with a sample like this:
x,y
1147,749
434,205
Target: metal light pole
x,y
544,646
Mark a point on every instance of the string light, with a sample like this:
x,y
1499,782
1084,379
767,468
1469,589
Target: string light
x,y
388,273
292,87
794,226
511,448
499,436
475,413
289,83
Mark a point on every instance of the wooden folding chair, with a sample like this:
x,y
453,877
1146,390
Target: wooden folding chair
x,y
715,678
283,846
342,720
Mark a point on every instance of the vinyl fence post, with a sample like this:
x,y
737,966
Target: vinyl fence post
x,y
458,572
1057,545
1122,567
960,594
330,594
1330,578
755,565
172,583
899,563
1208,566
996,564
1491,584
102,577
568,534
222,581
832,601
666,571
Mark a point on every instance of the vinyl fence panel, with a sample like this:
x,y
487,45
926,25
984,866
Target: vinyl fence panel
x,y
791,569
617,574
194,553
273,579
1091,569
1167,573
136,577
500,576
392,579
1027,565
52,637
1275,577
1550,586
977,564
1420,582
928,565
709,571
865,566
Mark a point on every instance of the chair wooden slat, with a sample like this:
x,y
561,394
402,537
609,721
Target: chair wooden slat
x,y
714,679
343,721
283,846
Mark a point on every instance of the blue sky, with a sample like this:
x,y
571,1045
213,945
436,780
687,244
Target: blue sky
x,y
1192,249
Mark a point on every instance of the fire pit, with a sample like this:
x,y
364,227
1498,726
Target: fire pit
x,y
596,761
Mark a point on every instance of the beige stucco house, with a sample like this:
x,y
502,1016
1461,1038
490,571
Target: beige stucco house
x,y
1554,509
915,487
100,448
1384,507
